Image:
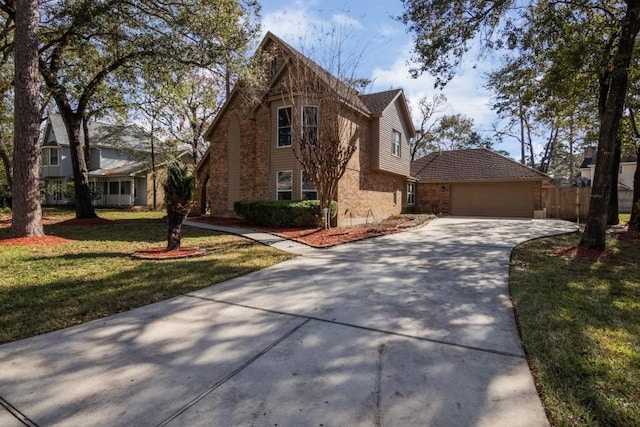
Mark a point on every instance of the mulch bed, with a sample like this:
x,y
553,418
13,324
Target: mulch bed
x,y
34,241
316,237
618,232
578,252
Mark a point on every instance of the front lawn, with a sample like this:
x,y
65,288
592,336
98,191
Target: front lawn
x,y
579,318
44,288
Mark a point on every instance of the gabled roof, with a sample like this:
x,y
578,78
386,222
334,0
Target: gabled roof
x,y
130,137
367,104
345,91
377,102
471,165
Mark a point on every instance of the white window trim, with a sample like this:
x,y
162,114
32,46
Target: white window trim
x,y
393,143
302,190
413,193
278,191
44,157
50,150
278,127
317,118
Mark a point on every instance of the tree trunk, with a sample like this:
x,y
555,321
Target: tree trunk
x,y
594,233
613,215
83,202
26,212
174,233
7,163
175,218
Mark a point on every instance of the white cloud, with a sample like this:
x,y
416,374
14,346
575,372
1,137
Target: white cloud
x,y
346,22
290,22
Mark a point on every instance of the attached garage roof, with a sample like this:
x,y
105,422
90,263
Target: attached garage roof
x,y
478,164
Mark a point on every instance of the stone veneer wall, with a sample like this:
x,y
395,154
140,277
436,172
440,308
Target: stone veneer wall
x,y
430,199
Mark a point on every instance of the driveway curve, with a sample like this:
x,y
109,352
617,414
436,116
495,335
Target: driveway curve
x,y
410,329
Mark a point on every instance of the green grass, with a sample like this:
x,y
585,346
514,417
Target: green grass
x,y
44,288
580,325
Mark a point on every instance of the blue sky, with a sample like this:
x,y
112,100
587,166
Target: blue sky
x,y
386,48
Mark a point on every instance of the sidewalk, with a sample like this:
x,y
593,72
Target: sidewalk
x,y
267,239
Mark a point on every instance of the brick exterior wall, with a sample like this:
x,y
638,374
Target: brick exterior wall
x,y
363,194
431,199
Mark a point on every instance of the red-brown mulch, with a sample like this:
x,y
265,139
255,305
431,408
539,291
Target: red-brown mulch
x,y
316,237
162,253
34,241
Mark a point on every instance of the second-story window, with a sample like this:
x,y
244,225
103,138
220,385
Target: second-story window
x,y
395,143
310,124
284,127
54,157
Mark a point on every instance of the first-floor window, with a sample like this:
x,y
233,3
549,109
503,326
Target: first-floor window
x,y
125,187
284,185
114,187
309,191
411,193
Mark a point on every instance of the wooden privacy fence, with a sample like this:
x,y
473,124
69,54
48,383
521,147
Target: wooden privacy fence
x,y
566,202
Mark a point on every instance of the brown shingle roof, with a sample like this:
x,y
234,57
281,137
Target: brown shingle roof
x,y
377,102
347,92
470,165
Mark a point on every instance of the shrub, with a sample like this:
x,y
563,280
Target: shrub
x,y
282,213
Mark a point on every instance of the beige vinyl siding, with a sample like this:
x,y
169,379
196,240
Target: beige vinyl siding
x,y
392,120
282,158
233,150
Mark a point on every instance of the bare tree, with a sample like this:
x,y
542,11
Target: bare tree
x,y
428,110
324,125
26,212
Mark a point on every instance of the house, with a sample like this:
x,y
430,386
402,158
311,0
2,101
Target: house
x,y
476,182
250,153
119,165
626,172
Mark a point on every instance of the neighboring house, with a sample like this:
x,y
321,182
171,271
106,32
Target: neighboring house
x,y
476,182
250,155
626,171
119,165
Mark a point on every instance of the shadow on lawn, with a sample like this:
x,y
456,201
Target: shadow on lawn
x,y
578,320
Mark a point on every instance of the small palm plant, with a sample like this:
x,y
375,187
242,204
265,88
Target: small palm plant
x,y
180,191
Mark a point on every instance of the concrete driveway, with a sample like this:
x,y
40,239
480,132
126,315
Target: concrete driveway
x,y
410,329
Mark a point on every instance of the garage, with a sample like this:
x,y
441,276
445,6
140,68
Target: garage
x,y
476,182
502,199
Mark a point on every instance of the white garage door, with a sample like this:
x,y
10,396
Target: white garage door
x,y
510,199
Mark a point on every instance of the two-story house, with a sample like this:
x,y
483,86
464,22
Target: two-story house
x,y
626,172
251,157
119,165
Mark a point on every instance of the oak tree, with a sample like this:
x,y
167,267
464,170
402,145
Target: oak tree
x,y
600,35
